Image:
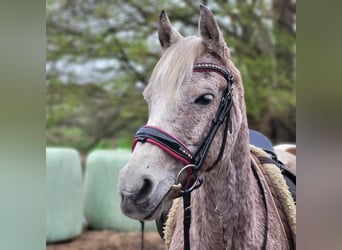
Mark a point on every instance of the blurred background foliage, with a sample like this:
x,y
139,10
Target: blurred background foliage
x,y
100,54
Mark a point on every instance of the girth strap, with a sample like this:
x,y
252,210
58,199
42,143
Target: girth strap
x,y
264,199
289,176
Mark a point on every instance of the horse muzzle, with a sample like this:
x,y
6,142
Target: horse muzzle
x,y
142,196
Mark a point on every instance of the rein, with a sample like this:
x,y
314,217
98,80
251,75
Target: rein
x,y
178,150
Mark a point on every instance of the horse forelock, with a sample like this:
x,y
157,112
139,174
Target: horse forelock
x,y
175,66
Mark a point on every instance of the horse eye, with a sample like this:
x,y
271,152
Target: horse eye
x,y
204,99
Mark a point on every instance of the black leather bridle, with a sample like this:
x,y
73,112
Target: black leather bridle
x,y
178,150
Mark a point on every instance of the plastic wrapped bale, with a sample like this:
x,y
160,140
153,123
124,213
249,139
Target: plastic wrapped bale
x,y
64,194
102,199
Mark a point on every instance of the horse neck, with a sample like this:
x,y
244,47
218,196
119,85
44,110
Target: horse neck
x,y
225,202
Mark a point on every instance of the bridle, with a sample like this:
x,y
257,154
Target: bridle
x,y
194,161
178,150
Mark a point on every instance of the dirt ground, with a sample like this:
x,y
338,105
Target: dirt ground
x,y
110,240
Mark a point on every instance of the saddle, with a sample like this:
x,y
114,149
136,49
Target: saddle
x,y
280,195
259,140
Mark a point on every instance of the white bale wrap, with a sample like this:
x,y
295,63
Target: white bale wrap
x,y
102,200
64,194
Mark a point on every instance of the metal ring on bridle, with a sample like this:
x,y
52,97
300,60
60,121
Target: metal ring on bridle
x,y
194,176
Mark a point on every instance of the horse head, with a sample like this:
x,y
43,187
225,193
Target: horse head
x,y
183,102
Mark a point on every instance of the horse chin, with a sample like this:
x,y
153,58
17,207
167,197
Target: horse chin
x,y
150,209
165,202
155,213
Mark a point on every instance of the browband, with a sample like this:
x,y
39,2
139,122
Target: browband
x,y
203,67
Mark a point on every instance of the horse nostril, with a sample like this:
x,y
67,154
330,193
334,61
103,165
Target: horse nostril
x,y
145,190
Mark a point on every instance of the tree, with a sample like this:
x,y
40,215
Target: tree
x,y
100,55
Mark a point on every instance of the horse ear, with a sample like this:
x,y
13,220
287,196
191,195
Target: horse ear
x,y
167,34
210,32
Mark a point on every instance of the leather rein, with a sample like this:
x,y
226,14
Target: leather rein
x,y
193,161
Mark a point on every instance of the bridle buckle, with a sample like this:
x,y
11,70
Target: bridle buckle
x,y
193,181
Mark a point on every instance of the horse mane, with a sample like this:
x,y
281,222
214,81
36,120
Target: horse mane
x,y
176,64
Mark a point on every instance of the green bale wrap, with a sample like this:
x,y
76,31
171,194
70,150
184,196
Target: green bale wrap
x,y
64,194
102,199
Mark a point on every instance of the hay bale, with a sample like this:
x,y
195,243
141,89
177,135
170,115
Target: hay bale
x,y
102,200
64,194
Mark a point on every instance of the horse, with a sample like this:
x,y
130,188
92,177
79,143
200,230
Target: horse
x,y
195,97
287,154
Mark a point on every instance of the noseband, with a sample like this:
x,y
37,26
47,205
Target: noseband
x,y
179,150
